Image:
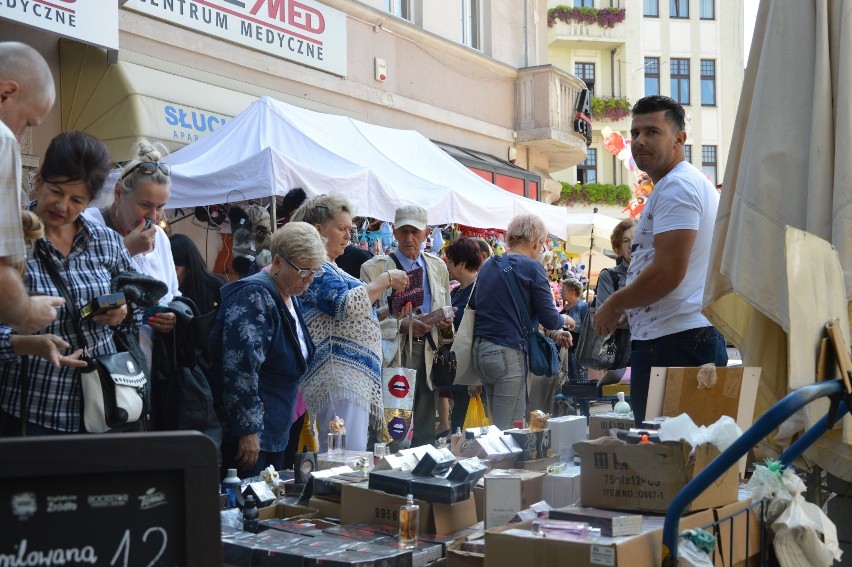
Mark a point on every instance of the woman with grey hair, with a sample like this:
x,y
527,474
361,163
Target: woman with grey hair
x,y
499,344
261,347
345,378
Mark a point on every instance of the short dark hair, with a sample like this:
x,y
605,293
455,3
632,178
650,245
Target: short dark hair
x,y
77,156
201,285
465,252
658,103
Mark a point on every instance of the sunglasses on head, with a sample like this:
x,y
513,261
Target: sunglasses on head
x,y
149,168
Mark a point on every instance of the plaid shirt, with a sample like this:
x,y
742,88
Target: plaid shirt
x,y
11,231
55,396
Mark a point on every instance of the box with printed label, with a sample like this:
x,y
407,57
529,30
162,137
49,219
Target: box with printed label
x,y
647,477
600,424
507,492
564,432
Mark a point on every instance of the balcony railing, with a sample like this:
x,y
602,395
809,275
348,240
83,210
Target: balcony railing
x,y
586,24
547,97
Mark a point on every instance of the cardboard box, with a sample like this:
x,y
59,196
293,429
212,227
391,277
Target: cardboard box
x,y
739,534
326,508
457,557
286,512
612,390
647,477
539,465
507,492
564,432
611,523
515,544
372,506
600,424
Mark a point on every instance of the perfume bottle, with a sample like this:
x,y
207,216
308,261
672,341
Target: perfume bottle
x,y
409,518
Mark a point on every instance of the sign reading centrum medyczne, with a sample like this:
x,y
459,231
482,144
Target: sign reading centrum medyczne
x,y
90,21
305,32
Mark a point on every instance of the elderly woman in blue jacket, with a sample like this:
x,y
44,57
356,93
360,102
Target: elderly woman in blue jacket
x,y
261,348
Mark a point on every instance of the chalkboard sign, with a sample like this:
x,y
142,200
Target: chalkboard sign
x,y
123,500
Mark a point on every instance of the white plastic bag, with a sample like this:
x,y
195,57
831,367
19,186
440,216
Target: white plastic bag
x,y
805,536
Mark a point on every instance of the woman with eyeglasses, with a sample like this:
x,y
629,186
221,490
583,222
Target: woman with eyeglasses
x,y
261,347
345,378
141,194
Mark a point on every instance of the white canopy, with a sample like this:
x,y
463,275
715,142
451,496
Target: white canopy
x,y
272,147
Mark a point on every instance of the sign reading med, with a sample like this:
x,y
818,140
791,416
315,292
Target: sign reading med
x,y
91,21
305,32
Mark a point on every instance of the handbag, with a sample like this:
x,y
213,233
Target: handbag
x,y
443,364
398,385
542,352
602,352
113,385
462,346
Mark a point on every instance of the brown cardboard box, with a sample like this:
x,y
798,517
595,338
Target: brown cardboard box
x,y
539,465
614,389
326,508
739,534
515,544
286,511
600,424
648,476
376,507
456,557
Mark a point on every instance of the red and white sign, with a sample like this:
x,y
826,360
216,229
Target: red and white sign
x,y
90,21
305,31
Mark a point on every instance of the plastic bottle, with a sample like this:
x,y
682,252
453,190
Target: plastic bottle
x,y
232,486
250,515
409,520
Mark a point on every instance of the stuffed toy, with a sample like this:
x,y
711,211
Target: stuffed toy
x,y
289,203
250,228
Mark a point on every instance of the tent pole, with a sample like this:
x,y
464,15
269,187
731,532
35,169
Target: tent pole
x,y
273,220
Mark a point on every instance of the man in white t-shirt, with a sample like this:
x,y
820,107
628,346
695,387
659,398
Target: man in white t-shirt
x,y
27,94
670,255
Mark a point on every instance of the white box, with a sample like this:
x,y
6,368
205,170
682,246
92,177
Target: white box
x,y
563,488
564,432
502,499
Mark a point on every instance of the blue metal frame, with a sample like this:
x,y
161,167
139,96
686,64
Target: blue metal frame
x,y
769,421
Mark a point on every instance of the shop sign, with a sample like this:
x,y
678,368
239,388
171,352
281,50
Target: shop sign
x,y
305,32
182,124
91,21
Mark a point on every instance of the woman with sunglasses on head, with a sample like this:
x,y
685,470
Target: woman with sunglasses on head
x,y
86,257
261,347
141,194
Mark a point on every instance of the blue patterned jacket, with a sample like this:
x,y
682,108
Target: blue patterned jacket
x,y
257,361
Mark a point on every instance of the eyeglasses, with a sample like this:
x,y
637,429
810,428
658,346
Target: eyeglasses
x,y
149,168
302,272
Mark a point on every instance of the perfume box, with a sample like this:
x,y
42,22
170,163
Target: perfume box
x,y
392,482
440,490
468,470
435,462
611,523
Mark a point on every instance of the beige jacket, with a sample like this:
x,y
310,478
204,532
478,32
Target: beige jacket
x,y
439,285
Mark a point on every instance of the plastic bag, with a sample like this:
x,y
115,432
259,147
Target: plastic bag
x,y
805,536
475,416
308,437
696,549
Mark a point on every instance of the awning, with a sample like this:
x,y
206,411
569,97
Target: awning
x,y
125,102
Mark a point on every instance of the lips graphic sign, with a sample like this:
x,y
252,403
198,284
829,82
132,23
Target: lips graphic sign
x,y
398,393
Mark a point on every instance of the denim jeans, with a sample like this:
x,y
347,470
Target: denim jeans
x,y
503,371
692,347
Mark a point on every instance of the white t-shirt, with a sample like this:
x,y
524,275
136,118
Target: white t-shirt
x,y
11,231
682,200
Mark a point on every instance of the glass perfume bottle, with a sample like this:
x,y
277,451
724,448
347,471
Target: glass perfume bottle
x,y
409,518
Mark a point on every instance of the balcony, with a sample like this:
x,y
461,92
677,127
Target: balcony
x,y
547,97
611,111
581,28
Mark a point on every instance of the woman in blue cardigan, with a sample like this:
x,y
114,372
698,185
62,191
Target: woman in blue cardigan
x,y
261,348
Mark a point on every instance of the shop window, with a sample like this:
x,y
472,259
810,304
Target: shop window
x,y
687,152
651,8
708,82
584,3
679,9
708,163
586,73
471,23
652,76
399,8
587,170
707,9
680,80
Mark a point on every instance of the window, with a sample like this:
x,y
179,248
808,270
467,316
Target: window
x,y
400,8
584,3
470,22
587,171
707,10
708,82
708,163
586,73
687,152
680,80
679,9
652,8
652,76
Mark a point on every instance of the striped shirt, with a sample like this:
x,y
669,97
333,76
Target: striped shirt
x,y
55,398
11,231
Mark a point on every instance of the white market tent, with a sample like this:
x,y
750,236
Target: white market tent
x,y
272,147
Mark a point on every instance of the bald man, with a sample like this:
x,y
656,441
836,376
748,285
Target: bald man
x,y
27,94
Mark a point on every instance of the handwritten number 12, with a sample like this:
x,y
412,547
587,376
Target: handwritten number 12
x,y
122,553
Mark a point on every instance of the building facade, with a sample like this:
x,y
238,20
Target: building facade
x,y
690,50
469,74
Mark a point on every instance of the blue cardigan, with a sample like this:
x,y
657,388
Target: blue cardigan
x,y
497,319
257,361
